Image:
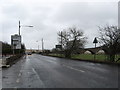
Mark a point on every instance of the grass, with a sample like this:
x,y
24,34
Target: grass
x,y
59,55
99,57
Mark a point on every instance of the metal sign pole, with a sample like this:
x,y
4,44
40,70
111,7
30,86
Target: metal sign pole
x,y
13,50
19,28
95,53
95,42
42,45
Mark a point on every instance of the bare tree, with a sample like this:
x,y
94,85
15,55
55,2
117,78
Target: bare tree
x,y
71,40
110,37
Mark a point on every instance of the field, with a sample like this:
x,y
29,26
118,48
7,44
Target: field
x,y
99,57
90,57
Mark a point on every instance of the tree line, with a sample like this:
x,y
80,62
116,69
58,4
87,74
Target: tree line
x,y
7,49
72,39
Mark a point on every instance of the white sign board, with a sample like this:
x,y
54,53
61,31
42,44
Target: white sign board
x,y
16,41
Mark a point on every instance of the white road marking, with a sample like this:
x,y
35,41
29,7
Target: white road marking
x,y
27,59
67,66
15,88
20,74
73,68
38,77
36,73
18,80
50,61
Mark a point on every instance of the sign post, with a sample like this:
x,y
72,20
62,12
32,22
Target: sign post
x,y
95,42
15,42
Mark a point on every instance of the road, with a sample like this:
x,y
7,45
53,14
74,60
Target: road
x,y
37,71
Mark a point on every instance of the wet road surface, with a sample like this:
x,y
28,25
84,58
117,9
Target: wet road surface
x,y
37,71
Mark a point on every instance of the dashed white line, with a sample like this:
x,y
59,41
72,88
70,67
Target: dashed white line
x,y
67,66
20,74
73,68
15,88
36,73
18,80
38,77
50,61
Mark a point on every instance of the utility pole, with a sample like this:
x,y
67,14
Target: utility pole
x,y
19,28
61,40
38,45
61,44
42,45
38,48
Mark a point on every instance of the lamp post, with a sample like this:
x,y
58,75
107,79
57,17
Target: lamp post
x,y
42,44
19,30
38,45
23,26
95,42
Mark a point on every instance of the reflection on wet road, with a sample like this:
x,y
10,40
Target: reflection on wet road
x,y
38,71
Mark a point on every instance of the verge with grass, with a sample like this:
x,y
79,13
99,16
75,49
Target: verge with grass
x,y
88,57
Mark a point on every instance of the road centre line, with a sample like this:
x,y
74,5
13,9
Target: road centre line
x,y
51,61
38,77
19,74
18,80
73,68
36,73
67,66
15,88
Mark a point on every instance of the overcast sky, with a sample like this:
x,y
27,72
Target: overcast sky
x,y
50,16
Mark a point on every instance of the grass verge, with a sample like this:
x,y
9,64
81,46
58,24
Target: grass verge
x,y
88,57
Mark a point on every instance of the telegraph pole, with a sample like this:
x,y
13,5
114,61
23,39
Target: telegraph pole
x,y
19,28
61,40
38,45
61,44
42,45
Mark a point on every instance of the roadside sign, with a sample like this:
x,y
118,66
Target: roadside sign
x,y
95,40
59,46
16,41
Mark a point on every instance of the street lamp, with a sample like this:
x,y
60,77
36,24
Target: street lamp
x,y
19,30
95,42
38,46
23,26
42,45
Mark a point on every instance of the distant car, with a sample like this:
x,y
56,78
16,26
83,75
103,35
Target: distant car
x,y
29,53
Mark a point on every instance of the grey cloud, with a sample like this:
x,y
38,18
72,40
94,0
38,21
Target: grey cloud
x,y
48,20
87,17
83,12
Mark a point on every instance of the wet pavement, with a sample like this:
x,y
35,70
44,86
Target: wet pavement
x,y
0,78
37,71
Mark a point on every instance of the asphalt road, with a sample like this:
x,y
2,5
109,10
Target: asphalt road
x,y
38,71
